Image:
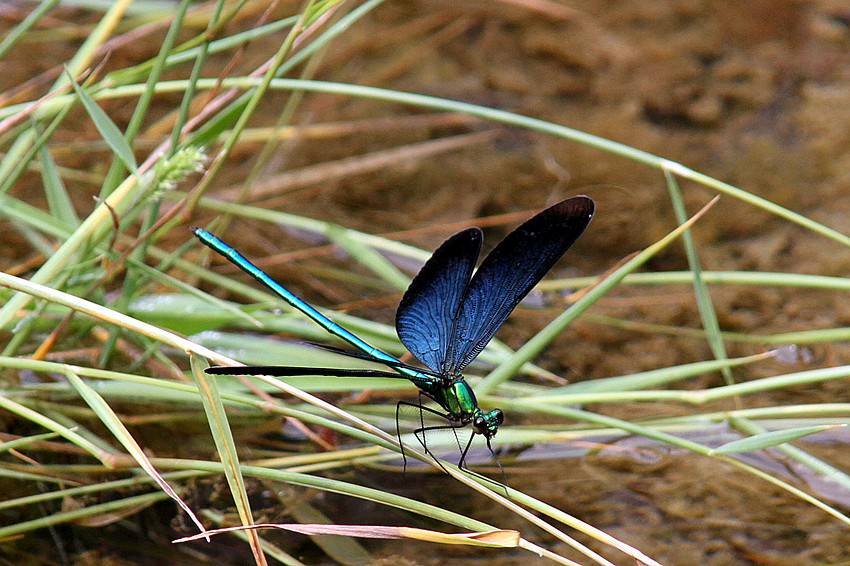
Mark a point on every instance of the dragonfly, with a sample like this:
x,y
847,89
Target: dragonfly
x,y
446,317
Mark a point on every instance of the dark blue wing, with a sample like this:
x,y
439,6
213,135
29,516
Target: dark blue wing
x,y
509,272
427,311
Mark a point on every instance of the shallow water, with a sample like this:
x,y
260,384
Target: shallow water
x,y
753,93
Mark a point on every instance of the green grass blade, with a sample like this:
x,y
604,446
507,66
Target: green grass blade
x,y
706,308
818,466
226,446
116,506
367,256
768,439
107,128
646,379
111,421
58,200
25,25
50,424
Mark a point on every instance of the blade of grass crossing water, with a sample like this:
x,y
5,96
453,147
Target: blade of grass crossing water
x,y
804,458
765,439
706,307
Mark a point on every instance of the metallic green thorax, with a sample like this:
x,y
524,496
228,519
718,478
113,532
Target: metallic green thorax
x,y
459,401
457,398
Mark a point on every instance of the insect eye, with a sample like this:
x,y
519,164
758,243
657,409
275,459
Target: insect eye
x,y
480,425
500,416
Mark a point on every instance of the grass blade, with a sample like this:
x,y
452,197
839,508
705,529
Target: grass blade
x,y
107,128
769,439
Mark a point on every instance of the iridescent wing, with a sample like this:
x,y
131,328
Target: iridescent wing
x,y
508,273
427,311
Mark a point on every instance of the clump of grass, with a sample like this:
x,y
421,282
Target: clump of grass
x,y
119,287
